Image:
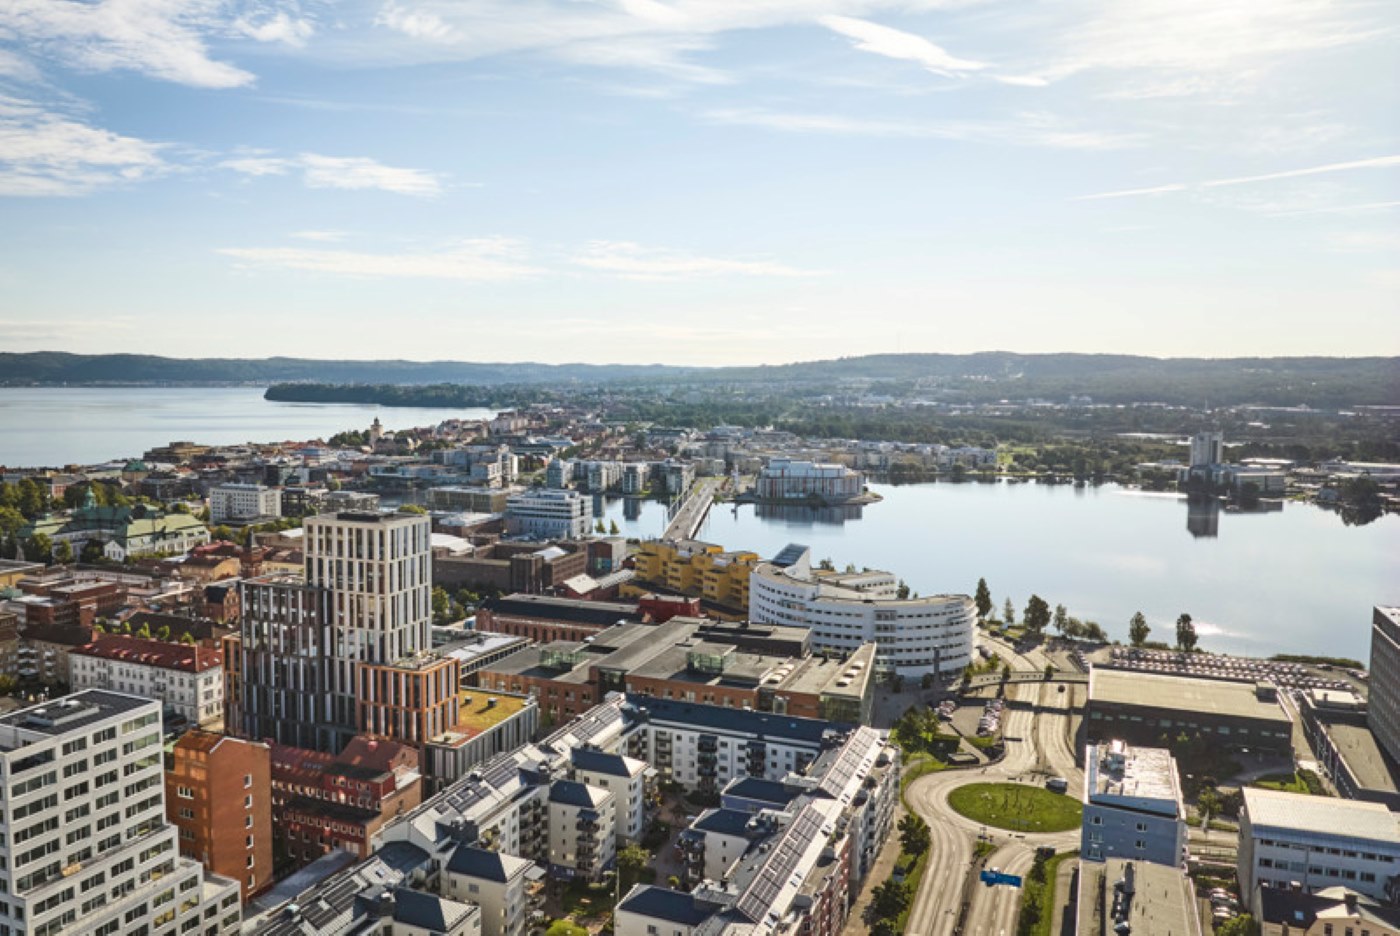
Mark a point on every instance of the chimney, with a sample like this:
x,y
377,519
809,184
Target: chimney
x,y
1351,902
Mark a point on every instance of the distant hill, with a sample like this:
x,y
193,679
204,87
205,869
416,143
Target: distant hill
x,y
988,376
50,368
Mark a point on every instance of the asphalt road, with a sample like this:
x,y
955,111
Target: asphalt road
x,y
1036,725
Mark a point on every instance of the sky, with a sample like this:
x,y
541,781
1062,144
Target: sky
x,y
699,181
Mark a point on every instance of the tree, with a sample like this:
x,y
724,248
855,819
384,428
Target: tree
x,y
145,632
413,509
10,520
1185,633
826,565
889,899
187,638
1061,619
983,599
91,552
1037,615
1138,629
38,548
1242,925
63,553
1008,613
442,605
613,529
913,834
599,527
163,633
901,591
630,862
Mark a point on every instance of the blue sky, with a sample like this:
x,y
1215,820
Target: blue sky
x,y
699,181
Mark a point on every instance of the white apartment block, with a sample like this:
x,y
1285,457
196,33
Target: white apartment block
x,y
187,679
581,823
243,502
1132,805
624,777
549,515
703,747
1316,842
786,479
913,636
87,847
494,881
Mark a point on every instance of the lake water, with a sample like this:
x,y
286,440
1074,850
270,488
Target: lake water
x,y
1292,580
1296,579
87,425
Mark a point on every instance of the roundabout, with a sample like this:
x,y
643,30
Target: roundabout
x,y
1016,807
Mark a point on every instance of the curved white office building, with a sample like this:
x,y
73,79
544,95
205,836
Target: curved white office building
x,y
844,610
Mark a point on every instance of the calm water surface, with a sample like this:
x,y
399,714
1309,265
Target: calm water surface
x,y
1290,580
87,425
1295,580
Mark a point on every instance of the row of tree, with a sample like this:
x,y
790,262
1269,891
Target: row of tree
x,y
1037,616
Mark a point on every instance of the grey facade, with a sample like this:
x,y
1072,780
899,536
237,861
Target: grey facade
x,y
1384,702
1132,806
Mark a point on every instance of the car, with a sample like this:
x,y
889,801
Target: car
x,y
1057,785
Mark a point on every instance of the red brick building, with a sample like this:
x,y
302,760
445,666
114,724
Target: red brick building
x,y
218,792
324,802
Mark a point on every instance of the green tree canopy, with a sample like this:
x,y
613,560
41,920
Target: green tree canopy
x,y
1037,615
983,599
1185,633
1138,629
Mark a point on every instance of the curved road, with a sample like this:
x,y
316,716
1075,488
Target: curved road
x,y
1038,745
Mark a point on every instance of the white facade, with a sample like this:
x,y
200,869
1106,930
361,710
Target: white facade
x,y
1207,448
546,514
625,778
177,676
243,502
786,479
1317,842
913,636
493,881
581,823
88,848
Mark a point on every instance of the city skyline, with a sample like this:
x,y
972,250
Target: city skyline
x,y
698,183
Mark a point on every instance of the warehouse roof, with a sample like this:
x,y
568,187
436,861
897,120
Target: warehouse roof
x,y
1221,697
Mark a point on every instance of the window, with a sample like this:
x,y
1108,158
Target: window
x,y
247,781
184,792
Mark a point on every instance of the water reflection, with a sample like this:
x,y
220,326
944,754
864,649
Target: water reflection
x,y
1203,513
803,515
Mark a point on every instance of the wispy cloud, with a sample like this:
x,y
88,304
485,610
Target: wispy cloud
x,y
278,27
1026,129
897,44
47,153
633,261
1377,162
480,260
161,38
340,172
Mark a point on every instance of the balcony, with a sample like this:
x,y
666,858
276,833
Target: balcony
x,y
708,744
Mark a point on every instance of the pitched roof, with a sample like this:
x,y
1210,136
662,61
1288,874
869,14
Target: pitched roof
x,y
428,911
615,765
485,864
573,793
187,657
664,904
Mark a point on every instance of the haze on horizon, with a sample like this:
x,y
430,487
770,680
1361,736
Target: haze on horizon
x,y
698,181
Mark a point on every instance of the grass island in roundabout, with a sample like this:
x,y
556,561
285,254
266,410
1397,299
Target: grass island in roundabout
x,y
1017,807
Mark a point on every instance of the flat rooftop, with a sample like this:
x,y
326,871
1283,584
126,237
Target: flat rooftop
x,y
1363,756
1323,816
1162,903
1121,771
486,710
1168,691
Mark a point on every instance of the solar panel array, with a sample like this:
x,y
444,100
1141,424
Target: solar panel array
x,y
855,758
782,867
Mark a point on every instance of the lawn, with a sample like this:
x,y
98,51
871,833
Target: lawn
x,y
1017,807
1041,894
1301,782
914,768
